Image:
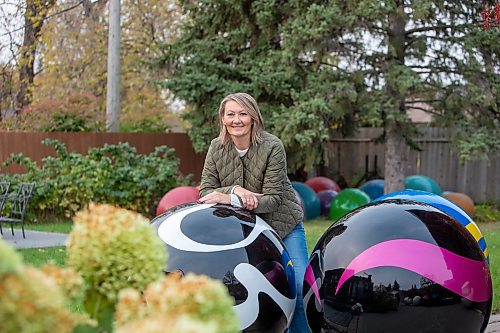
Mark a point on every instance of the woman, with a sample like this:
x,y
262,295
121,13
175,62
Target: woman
x,y
246,167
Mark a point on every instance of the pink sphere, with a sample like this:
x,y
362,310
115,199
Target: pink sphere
x,y
319,184
177,196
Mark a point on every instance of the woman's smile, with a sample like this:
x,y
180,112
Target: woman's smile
x,y
237,121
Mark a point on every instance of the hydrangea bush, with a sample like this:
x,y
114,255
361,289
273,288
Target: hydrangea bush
x,y
179,324
116,262
69,281
113,248
32,300
10,261
187,301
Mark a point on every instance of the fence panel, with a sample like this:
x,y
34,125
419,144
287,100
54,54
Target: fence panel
x,y
30,144
479,179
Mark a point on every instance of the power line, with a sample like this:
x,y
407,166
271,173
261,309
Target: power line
x,y
46,18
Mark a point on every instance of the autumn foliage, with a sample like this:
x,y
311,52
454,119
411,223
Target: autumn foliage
x,y
76,113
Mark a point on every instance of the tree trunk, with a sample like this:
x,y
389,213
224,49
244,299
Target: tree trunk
x,y
395,142
36,12
395,159
27,58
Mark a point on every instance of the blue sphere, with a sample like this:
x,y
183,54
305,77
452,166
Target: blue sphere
x,y
447,206
374,188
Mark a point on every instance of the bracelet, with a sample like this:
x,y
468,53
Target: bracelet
x,y
239,199
234,188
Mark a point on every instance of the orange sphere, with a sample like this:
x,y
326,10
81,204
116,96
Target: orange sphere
x,y
462,200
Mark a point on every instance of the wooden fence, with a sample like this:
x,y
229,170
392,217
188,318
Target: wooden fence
x,y
30,145
347,156
479,179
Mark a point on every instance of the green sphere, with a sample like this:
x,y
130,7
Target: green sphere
x,y
346,201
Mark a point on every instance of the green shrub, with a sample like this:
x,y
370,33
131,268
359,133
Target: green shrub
x,y
487,213
113,174
153,123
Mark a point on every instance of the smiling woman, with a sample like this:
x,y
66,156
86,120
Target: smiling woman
x,y
238,123
246,167
240,111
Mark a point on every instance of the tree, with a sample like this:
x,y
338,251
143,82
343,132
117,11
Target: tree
x,y
7,87
229,46
34,17
82,33
8,50
33,14
318,66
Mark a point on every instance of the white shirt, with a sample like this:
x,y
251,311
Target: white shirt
x,y
234,199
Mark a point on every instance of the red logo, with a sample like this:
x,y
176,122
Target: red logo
x,y
490,14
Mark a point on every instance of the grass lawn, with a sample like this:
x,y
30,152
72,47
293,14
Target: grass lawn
x,y
314,229
55,225
491,232
38,257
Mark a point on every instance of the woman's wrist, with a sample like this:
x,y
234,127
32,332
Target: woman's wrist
x,y
236,200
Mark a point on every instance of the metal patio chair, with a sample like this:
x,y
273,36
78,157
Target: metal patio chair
x,y
18,204
4,192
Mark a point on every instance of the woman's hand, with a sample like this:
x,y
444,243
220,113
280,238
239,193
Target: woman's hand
x,y
249,199
216,197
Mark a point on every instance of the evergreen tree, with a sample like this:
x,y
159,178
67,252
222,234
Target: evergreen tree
x,y
395,285
316,67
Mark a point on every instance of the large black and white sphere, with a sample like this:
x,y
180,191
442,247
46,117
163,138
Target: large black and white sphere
x,y
241,250
397,266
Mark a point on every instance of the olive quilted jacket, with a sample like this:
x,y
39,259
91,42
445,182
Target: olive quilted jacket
x,y
262,170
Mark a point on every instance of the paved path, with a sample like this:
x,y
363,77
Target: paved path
x,y
34,239
39,239
494,325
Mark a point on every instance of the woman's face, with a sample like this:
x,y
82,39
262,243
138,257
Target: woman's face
x,y
237,121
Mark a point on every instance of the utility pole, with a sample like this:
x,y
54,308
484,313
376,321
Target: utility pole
x,y
113,90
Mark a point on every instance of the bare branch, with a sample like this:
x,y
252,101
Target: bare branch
x,y
442,27
413,101
46,18
425,110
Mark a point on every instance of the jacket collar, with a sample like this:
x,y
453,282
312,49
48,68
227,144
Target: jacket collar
x,y
230,149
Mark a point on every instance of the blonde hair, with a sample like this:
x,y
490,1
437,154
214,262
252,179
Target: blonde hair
x,y
249,104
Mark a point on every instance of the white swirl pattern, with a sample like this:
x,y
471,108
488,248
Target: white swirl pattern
x,y
249,276
170,232
256,283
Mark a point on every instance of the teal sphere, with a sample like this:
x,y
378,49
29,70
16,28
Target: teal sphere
x,y
309,198
422,183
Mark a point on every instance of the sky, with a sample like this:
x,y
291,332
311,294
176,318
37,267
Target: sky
x,y
8,24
